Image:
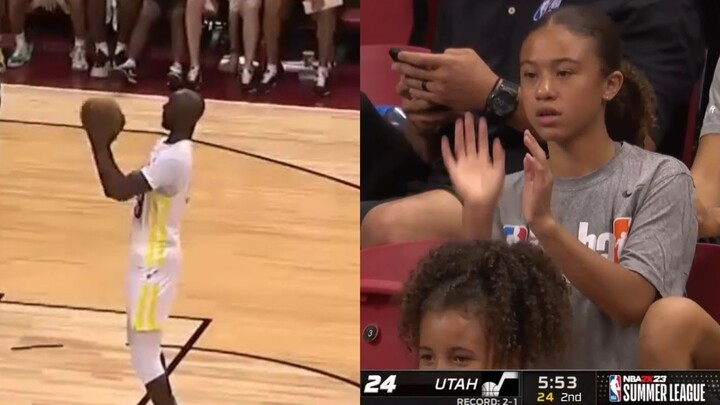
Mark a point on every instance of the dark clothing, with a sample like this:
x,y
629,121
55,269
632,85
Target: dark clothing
x,y
661,37
395,170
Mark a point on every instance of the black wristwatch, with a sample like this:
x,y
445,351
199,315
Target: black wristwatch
x,y
502,101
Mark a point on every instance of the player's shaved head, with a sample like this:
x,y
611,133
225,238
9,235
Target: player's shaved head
x,y
190,103
183,110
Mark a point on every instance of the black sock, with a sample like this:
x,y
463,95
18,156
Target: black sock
x,y
159,391
162,361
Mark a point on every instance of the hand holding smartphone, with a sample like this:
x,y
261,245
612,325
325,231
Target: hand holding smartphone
x,y
394,52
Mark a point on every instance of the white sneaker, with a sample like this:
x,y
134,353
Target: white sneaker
x,y
79,61
246,77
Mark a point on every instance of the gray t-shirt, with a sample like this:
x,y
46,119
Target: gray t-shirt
x,y
711,122
638,210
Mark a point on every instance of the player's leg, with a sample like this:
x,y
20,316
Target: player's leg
x,y
128,11
179,41
435,214
149,13
193,26
150,297
235,7
77,55
325,32
272,23
23,49
145,352
96,26
677,333
250,10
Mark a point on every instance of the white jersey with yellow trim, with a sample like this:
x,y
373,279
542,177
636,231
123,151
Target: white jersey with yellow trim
x,y
157,214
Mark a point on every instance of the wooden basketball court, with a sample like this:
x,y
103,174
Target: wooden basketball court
x,y
267,310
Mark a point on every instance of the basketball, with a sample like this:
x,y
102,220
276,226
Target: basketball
x,y
102,116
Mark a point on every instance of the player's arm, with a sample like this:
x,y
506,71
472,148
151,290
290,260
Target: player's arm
x,y
655,259
706,167
115,183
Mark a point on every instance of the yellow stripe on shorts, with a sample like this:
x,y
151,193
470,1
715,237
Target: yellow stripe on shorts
x,y
158,210
146,313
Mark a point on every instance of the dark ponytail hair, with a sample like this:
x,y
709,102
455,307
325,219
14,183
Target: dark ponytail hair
x,y
630,115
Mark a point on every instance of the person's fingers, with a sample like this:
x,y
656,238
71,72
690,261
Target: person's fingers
x,y
413,71
482,137
411,106
469,141
422,60
534,147
528,168
447,156
459,139
498,155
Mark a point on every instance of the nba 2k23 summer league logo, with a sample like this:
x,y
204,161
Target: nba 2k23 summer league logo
x,y
685,387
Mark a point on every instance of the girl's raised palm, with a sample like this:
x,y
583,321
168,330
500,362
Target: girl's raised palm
x,y
476,177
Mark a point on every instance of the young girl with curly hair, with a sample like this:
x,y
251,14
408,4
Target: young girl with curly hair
x,y
485,304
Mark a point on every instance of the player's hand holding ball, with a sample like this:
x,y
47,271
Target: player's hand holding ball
x,y
102,119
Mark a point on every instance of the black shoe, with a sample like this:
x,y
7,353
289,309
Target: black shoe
x,y
125,72
268,81
193,78
248,87
101,65
119,58
175,80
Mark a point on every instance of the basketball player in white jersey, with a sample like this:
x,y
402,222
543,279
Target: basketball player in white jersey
x,y
161,191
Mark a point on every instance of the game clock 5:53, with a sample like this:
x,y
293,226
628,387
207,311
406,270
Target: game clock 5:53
x,y
558,387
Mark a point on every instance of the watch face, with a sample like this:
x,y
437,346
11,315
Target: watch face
x,y
504,104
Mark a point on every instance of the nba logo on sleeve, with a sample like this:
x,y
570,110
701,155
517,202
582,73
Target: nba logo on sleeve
x,y
515,233
621,228
615,388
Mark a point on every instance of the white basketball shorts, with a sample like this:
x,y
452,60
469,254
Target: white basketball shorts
x,y
150,294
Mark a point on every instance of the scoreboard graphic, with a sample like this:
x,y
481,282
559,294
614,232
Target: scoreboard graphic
x,y
515,387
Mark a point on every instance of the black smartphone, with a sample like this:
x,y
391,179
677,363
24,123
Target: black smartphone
x,y
394,54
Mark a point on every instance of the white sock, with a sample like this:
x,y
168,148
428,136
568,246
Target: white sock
x,y
176,67
130,62
272,68
20,40
79,43
102,47
119,47
145,355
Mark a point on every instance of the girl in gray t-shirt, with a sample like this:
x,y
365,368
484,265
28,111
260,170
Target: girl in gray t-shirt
x,y
618,221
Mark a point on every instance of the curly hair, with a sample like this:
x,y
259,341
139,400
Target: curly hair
x,y
517,292
630,115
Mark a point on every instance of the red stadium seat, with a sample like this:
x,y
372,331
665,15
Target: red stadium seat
x,y
702,285
383,270
386,22
377,81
